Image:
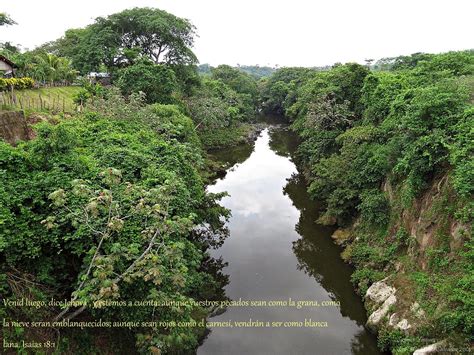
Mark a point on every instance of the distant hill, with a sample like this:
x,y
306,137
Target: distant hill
x,y
254,70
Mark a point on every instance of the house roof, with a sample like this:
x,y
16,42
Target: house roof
x,y
8,61
99,75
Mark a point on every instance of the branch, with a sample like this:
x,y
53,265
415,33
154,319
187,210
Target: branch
x,y
89,269
74,297
145,252
116,280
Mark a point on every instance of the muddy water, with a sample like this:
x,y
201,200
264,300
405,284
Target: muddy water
x,y
276,251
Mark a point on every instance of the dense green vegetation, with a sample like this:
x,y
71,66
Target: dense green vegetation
x,y
148,50
110,204
123,38
224,101
373,144
256,71
107,206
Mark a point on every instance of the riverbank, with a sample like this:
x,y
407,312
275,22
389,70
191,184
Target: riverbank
x,y
236,134
240,138
107,188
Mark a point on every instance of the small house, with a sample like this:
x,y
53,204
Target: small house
x,y
7,67
99,78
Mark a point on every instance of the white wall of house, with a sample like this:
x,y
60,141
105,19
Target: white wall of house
x,y
4,66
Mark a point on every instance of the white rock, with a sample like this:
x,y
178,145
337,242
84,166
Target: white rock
x,y
403,325
379,292
417,310
394,318
380,313
398,323
430,349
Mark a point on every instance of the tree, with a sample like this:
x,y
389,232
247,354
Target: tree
x,y
217,106
236,79
159,35
124,38
239,81
83,46
326,114
157,81
9,48
277,87
45,67
6,20
410,61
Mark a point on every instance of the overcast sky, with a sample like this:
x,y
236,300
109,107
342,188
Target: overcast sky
x,y
266,32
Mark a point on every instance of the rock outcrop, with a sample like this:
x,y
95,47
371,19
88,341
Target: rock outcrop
x,y
13,127
379,292
381,297
387,310
341,236
435,348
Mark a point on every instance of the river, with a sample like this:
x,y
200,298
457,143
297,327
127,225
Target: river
x,y
276,251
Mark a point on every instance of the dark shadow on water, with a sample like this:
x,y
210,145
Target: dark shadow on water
x,y
317,254
320,258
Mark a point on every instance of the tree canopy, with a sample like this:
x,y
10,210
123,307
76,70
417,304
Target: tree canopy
x,y
157,81
123,38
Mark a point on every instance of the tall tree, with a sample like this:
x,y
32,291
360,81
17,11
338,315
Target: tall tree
x,y
123,38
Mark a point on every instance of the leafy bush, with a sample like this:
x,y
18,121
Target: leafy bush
x,y
374,207
16,83
158,82
461,154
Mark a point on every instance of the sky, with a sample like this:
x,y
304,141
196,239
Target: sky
x,y
278,32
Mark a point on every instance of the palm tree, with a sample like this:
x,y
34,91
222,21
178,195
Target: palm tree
x,y
65,71
47,65
53,69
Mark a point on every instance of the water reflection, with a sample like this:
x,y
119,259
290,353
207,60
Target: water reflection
x,y
229,158
276,251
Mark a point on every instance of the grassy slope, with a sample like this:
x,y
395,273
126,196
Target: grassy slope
x,y
52,97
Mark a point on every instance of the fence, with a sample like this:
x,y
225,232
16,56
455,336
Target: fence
x,y
36,102
39,84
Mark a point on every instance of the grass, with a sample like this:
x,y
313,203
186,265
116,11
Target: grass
x,y
43,99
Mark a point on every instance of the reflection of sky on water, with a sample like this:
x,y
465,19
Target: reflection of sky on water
x,y
268,259
248,195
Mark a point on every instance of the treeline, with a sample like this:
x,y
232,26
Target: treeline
x,y
374,143
256,71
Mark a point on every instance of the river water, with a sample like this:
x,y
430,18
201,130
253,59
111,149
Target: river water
x,y
276,251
